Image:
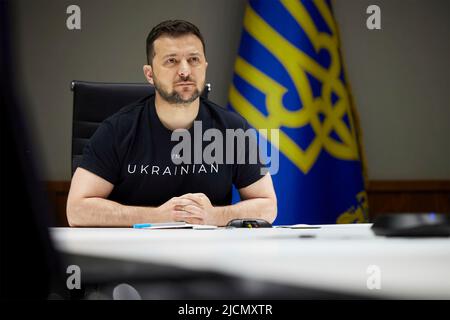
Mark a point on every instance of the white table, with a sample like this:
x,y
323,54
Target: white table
x,y
334,257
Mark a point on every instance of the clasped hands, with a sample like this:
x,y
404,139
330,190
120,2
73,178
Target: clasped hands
x,y
195,208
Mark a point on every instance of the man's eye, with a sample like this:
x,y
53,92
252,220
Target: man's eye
x,y
171,61
195,59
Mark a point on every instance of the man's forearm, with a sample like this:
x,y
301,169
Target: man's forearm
x,y
258,208
99,212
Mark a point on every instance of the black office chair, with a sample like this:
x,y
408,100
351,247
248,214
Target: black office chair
x,y
93,102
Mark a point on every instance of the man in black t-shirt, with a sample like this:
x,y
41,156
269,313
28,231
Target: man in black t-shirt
x,y
134,171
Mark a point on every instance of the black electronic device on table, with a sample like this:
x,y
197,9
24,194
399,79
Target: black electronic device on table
x,y
412,225
249,223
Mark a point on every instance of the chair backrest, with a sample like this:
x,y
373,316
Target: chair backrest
x,y
93,102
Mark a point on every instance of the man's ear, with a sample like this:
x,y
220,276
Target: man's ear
x,y
148,73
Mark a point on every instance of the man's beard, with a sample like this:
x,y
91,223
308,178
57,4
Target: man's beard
x,y
174,97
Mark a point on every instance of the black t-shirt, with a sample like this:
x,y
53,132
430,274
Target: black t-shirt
x,y
133,150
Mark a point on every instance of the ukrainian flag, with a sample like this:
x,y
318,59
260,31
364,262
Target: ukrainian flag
x,y
289,76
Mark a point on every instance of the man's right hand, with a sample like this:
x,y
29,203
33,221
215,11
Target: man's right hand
x,y
173,208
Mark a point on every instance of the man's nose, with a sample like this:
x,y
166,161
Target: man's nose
x,y
184,70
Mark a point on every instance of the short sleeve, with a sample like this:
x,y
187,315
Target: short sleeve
x,y
100,154
244,174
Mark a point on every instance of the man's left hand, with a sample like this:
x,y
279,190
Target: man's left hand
x,y
202,212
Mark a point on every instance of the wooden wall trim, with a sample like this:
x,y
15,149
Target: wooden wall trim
x,y
409,186
58,186
374,186
384,196
57,195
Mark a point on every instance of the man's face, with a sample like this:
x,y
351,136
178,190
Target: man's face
x,y
178,68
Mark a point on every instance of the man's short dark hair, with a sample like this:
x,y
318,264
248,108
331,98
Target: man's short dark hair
x,y
173,28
